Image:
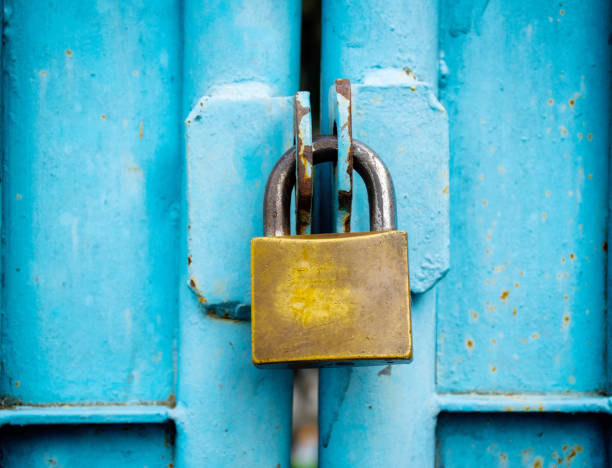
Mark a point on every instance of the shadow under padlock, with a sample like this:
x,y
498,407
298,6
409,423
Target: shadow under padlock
x,y
330,299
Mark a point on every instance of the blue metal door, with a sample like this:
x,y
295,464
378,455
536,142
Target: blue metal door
x,y
136,141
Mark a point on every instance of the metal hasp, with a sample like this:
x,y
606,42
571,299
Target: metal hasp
x,y
303,162
330,299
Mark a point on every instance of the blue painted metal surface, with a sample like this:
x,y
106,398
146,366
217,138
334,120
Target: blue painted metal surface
x,y
98,313
230,413
532,441
384,416
523,307
340,120
91,131
520,322
304,165
108,215
88,446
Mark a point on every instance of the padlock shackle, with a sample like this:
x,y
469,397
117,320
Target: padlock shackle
x,y
381,196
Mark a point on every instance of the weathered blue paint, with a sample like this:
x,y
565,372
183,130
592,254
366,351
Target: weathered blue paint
x,y
340,119
528,93
520,317
95,96
385,416
415,149
240,59
232,145
526,403
91,132
521,440
93,414
302,116
87,446
240,48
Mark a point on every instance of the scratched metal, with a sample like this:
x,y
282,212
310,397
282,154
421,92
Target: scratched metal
x,y
304,170
523,307
529,441
340,121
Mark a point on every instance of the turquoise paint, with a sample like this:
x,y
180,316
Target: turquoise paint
x,y
529,441
95,245
240,60
528,94
385,416
91,132
517,205
87,446
98,315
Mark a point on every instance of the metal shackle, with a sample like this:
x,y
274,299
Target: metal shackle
x,y
381,196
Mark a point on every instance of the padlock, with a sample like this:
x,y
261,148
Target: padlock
x,y
330,299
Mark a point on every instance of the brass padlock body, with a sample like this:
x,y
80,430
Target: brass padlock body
x,y
330,299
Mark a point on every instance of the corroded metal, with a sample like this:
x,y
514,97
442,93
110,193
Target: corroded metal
x,y
342,126
381,195
330,299
304,166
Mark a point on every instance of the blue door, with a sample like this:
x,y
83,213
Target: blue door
x,y
137,138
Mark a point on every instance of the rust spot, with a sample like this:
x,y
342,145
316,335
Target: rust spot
x,y
470,344
571,102
445,190
550,102
565,298
537,463
170,465
17,383
484,203
566,320
516,285
563,259
304,171
604,246
590,176
103,116
572,256
503,456
535,336
385,371
193,283
171,400
504,295
514,311
565,447
68,52
590,136
494,369
189,260
140,127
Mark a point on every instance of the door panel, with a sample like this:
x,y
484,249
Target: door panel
x,y
535,441
528,91
87,446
